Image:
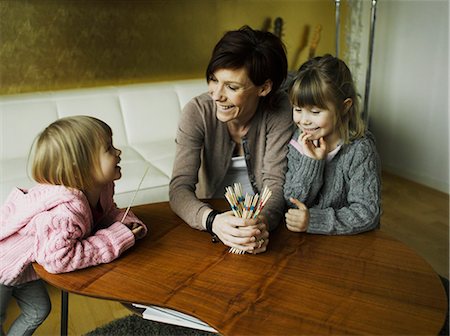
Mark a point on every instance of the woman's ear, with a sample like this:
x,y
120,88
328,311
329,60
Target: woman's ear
x,y
347,104
265,88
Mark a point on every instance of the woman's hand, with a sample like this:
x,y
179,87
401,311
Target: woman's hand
x,y
137,230
297,220
263,239
318,152
249,235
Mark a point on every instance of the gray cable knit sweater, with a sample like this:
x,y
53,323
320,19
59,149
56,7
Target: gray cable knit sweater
x,y
343,195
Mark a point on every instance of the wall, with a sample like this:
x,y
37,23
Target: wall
x,y
409,92
59,44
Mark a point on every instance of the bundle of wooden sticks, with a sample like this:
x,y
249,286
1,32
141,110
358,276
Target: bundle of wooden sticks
x,y
247,207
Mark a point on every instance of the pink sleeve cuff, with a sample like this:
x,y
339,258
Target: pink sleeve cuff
x,y
296,145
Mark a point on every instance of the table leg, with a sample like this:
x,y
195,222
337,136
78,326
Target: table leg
x,y
64,312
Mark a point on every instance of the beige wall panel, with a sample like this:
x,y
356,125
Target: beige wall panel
x,y
59,44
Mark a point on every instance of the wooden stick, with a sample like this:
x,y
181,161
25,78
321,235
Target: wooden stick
x,y
135,193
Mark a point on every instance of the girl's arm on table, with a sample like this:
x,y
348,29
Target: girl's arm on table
x,y
112,214
63,242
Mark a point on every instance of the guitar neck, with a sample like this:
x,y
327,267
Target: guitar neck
x,y
315,41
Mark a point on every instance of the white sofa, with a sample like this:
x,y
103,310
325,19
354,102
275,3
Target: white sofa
x,y
143,118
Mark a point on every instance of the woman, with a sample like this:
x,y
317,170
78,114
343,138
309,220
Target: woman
x,y
237,132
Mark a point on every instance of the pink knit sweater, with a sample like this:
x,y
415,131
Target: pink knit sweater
x,y
53,226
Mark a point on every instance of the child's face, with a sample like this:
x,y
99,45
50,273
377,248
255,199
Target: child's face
x,y
317,122
109,160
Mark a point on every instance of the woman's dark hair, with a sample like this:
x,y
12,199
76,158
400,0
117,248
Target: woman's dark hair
x,y
262,54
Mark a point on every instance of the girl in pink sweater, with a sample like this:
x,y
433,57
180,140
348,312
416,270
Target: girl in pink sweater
x,y
67,221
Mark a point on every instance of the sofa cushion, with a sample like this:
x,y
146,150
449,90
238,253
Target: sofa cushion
x,y
145,108
21,121
143,117
161,154
102,104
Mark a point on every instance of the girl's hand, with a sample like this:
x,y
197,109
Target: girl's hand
x,y
318,152
250,235
137,230
297,220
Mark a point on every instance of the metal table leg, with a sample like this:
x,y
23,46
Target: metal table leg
x,y
64,312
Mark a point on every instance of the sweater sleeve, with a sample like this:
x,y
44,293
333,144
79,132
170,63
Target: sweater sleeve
x,y
189,145
279,131
63,242
304,178
113,214
362,208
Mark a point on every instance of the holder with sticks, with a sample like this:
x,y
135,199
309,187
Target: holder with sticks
x,y
246,207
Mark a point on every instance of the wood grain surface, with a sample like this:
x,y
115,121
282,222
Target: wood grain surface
x,y
304,284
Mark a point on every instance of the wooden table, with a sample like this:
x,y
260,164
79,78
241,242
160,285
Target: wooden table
x,y
304,284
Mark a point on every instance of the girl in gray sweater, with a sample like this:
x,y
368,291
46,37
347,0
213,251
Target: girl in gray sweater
x,y
333,182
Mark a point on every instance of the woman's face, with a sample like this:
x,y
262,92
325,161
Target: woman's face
x,y
235,95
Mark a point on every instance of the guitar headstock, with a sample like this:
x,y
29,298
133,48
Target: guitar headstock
x,y
278,27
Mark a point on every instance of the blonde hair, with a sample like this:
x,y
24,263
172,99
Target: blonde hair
x,y
326,82
67,152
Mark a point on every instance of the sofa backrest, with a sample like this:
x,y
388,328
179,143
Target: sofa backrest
x,y
136,113
142,117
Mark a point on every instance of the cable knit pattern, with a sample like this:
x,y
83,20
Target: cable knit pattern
x,y
343,195
53,225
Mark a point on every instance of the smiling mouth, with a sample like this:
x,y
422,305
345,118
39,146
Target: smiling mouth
x,y
225,107
310,130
